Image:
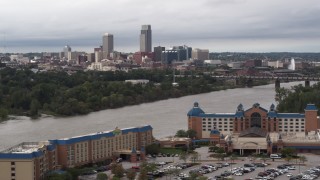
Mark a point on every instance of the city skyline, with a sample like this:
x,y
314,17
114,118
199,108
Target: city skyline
x,y
217,25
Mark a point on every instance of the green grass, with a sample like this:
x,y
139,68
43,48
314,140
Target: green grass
x,y
171,151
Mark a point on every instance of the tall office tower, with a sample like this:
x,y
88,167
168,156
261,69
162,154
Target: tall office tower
x,y
66,51
107,45
146,39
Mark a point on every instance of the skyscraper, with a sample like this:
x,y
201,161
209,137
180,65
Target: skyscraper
x,y
146,39
107,45
66,51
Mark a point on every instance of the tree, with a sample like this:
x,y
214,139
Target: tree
x,y
181,133
143,175
220,153
3,114
58,176
102,176
287,152
34,108
213,148
146,167
173,172
117,170
153,149
192,133
288,159
194,157
193,176
281,94
131,174
302,159
184,156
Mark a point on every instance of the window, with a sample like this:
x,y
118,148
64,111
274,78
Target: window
x,y
203,122
204,126
280,120
209,119
285,119
297,123
255,120
13,163
297,126
225,122
225,129
291,119
302,119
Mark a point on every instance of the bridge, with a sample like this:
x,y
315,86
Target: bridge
x,y
277,79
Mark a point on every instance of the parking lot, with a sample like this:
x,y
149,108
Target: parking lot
x,y
204,159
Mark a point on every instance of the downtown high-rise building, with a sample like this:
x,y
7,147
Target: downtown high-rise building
x,y
146,39
66,51
107,45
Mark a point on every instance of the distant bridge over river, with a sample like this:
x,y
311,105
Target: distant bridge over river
x,y
277,79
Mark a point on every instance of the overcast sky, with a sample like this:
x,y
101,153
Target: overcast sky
x,y
217,25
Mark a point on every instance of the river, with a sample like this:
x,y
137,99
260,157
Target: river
x,y
166,116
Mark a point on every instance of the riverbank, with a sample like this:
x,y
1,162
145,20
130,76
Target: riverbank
x,y
165,116
128,95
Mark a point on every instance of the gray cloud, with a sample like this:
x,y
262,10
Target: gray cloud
x,y
219,25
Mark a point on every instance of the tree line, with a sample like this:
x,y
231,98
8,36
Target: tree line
x,y
23,92
297,98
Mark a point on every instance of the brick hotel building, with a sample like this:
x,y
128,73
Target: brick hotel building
x,y
31,161
257,129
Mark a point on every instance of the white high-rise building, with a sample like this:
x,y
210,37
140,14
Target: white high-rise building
x,y
66,51
107,45
146,39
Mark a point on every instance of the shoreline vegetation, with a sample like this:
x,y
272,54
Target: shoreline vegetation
x,y
297,98
25,93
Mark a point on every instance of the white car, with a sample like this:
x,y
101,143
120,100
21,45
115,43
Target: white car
x,y
292,168
289,175
238,174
